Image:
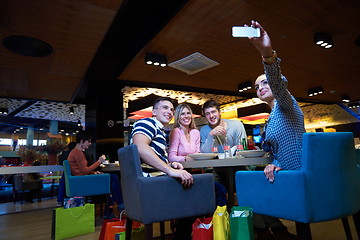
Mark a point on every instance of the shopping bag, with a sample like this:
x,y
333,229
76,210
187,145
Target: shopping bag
x,y
241,223
202,229
136,234
73,222
221,226
116,225
74,202
103,228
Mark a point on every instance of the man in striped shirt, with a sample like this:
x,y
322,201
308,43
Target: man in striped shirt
x,y
149,137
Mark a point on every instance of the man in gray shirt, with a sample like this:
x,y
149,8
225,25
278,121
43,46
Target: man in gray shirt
x,y
219,128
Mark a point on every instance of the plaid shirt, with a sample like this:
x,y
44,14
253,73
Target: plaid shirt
x,y
285,126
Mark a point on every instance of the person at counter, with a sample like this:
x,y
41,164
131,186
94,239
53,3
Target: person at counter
x,y
219,128
149,137
216,131
78,167
185,137
283,131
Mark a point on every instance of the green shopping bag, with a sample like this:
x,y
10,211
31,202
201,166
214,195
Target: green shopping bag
x,y
73,222
241,223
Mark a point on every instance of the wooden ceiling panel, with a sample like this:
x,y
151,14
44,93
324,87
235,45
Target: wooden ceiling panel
x,y
205,26
74,29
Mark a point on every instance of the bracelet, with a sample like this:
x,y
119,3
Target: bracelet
x,y
171,164
270,59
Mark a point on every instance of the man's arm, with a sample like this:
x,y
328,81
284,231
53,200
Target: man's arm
x,y
206,140
150,157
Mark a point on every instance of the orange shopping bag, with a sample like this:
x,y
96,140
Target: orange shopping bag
x,y
116,225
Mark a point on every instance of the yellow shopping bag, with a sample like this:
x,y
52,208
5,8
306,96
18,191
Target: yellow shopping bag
x,y
221,224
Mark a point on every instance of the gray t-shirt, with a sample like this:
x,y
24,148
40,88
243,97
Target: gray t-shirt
x,y
234,131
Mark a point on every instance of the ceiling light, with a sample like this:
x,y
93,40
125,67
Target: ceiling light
x,y
345,98
315,91
354,105
79,123
245,86
155,59
71,110
323,40
4,111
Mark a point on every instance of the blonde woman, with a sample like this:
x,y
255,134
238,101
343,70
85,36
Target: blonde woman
x,y
184,138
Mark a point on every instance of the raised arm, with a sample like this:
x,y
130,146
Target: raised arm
x,y
277,81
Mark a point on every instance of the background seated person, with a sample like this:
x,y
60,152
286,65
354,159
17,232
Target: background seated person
x,y
78,166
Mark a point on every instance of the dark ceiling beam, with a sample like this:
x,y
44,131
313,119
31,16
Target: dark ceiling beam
x,y
136,23
21,108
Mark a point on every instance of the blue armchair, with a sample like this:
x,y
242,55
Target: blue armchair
x,y
87,185
157,199
326,188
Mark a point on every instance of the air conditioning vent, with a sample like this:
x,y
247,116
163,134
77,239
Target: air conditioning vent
x,y
194,63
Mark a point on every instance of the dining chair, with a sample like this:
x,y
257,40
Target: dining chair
x,y
157,199
326,188
89,186
21,185
85,185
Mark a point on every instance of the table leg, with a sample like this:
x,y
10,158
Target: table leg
x,y
230,187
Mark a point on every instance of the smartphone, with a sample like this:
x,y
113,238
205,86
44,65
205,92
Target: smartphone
x,y
241,31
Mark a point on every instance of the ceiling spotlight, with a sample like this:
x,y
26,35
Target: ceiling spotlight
x,y
155,59
315,91
323,40
4,111
354,105
245,86
345,98
71,110
79,123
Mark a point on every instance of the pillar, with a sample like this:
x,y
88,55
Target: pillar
x,y
54,130
30,135
107,126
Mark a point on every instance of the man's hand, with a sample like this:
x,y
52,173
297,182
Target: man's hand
x,y
269,172
218,130
186,178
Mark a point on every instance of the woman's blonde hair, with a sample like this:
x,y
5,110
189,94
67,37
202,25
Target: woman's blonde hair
x,y
178,111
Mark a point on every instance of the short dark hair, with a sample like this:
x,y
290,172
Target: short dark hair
x,y
82,135
209,104
160,99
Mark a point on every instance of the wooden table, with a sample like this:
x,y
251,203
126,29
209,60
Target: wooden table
x,y
228,165
31,169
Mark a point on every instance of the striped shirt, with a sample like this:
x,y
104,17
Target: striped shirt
x,y
285,127
154,130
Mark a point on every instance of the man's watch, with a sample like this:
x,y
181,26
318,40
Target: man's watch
x,y
270,59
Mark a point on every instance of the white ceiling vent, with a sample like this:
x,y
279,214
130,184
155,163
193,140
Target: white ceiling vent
x,y
194,63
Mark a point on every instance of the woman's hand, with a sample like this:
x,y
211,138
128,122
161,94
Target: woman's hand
x,y
176,165
102,159
262,43
269,172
